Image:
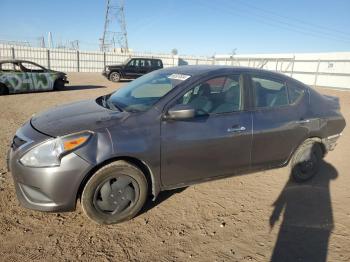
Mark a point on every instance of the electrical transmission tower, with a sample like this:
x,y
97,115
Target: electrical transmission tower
x,y
112,37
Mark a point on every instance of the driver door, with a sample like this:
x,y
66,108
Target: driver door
x,y
217,142
41,79
132,68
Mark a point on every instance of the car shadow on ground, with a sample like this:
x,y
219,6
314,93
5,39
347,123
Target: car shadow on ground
x,y
164,195
81,87
307,220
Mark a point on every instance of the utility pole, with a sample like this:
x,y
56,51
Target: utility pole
x,y
114,15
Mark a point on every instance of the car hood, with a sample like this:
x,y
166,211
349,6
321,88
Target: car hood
x,y
57,72
75,117
116,66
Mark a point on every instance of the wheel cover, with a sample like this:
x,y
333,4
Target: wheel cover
x,y
115,76
116,194
308,162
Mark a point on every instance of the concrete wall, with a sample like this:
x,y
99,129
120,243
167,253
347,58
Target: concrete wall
x,y
318,69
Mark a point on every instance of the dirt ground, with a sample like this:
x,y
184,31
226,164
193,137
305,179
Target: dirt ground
x,y
245,218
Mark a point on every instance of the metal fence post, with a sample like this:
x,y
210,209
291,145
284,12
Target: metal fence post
x,y
48,59
13,52
291,74
276,64
104,59
316,73
78,61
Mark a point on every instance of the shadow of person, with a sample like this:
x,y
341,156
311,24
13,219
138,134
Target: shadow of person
x,y
307,220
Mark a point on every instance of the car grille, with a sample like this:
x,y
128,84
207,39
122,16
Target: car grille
x,y
17,142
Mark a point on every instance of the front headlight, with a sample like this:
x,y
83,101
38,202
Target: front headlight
x,y
49,153
107,69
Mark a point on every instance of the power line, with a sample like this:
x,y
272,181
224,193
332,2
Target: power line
x,y
295,19
233,9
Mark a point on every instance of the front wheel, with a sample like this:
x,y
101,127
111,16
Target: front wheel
x,y
115,193
59,85
306,161
114,77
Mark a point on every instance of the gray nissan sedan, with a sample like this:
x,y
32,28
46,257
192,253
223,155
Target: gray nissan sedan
x,y
168,129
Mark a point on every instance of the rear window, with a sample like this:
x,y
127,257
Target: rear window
x,y
157,63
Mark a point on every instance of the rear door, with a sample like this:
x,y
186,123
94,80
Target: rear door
x,y
279,119
15,78
217,142
145,66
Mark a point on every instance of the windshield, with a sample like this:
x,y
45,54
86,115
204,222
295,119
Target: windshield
x,y
142,93
126,61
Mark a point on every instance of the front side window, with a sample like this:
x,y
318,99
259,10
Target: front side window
x,y
132,63
29,67
217,95
142,93
269,92
295,93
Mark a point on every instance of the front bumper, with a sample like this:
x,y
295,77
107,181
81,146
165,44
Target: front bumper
x,y
106,73
52,189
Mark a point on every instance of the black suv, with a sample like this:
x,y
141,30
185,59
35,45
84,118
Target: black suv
x,y
132,68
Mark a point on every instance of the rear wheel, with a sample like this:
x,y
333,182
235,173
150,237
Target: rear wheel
x,y
306,161
114,77
3,90
115,193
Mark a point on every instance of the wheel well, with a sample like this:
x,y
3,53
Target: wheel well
x,y
322,145
6,88
134,161
116,71
316,139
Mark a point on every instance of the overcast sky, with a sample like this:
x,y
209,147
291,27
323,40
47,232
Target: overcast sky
x,y
200,27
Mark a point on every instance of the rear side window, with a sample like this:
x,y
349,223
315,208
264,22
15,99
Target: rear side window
x,y
269,92
11,67
157,63
145,63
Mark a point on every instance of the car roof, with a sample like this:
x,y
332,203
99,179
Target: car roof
x,y
196,70
14,61
145,58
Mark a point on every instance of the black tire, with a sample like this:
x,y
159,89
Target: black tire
x,y
306,161
59,85
114,77
104,194
3,90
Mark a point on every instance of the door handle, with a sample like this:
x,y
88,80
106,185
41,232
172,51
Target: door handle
x,y
236,129
303,121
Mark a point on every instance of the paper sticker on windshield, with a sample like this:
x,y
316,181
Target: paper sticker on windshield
x,y
179,77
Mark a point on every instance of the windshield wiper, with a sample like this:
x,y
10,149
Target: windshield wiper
x,y
109,104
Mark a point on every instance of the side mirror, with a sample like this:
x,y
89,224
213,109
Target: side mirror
x,y
181,112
